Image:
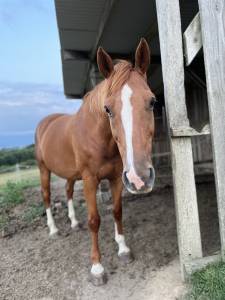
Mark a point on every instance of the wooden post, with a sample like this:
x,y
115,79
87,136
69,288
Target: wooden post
x,y
212,15
189,238
192,39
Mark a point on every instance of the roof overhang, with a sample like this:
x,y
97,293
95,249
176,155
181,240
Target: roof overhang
x,y
115,25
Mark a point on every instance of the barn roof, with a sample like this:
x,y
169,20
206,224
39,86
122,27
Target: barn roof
x,y
115,25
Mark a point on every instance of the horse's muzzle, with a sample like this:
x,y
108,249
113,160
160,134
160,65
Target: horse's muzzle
x,y
141,185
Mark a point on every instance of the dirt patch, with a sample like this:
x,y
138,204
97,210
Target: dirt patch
x,y
36,267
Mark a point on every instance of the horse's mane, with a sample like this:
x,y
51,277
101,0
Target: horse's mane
x,y
109,86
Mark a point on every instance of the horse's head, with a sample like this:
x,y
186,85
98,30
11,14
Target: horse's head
x,y
130,111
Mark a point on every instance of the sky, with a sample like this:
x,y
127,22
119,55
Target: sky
x,y
31,84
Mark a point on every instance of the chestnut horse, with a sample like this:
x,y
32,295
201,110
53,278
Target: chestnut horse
x,y
110,137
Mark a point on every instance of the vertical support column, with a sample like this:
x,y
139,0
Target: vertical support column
x,y
169,24
212,15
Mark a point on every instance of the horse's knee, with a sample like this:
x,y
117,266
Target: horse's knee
x,y
94,223
45,193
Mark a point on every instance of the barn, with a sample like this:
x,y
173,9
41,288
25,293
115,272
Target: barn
x,y
187,75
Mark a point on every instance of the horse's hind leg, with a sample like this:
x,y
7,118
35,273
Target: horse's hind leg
x,y
124,252
71,210
45,189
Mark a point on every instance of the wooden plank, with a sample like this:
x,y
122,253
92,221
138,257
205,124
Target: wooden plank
x,y
189,131
172,65
200,263
192,39
212,15
104,18
188,228
189,238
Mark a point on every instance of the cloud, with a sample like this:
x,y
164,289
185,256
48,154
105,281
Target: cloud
x,y
16,133
22,106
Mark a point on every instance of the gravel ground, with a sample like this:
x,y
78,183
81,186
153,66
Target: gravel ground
x,y
32,266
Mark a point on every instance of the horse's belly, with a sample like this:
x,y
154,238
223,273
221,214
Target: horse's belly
x,y
58,156
61,163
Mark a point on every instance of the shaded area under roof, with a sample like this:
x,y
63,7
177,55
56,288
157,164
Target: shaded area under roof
x,y
115,25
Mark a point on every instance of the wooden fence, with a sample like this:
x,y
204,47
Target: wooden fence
x,y
212,37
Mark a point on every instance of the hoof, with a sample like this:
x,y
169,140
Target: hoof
x,y
54,235
126,257
76,227
98,280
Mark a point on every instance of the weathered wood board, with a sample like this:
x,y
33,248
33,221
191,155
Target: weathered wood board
x,y
212,14
199,263
192,40
170,35
189,131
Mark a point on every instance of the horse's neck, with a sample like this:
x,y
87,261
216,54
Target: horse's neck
x,y
97,123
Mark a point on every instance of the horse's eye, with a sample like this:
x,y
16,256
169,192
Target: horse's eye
x,y
108,111
152,103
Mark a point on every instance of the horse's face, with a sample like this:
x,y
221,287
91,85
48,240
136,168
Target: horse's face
x,y
131,118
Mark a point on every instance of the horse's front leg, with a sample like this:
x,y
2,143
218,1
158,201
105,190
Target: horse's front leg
x,y
97,274
124,252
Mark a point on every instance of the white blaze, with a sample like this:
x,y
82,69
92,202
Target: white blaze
x,y
71,214
120,239
50,222
127,121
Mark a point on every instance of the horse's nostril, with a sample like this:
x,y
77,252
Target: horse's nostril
x,y
124,177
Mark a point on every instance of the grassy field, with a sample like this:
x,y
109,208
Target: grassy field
x,y
21,175
12,187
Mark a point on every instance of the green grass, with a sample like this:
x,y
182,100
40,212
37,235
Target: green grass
x,y
12,186
33,211
208,284
11,194
22,175
4,219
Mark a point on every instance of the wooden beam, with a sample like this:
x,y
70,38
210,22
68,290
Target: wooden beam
x,y
212,14
192,39
106,13
200,263
170,36
189,131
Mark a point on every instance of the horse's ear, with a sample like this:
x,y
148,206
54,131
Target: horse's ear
x,y
142,56
105,63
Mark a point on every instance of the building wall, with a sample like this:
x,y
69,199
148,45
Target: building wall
x,y
196,98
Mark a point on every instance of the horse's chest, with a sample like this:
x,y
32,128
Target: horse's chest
x,y
110,168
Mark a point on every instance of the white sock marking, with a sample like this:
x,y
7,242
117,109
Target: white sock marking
x,y
71,214
127,121
50,222
97,269
120,239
